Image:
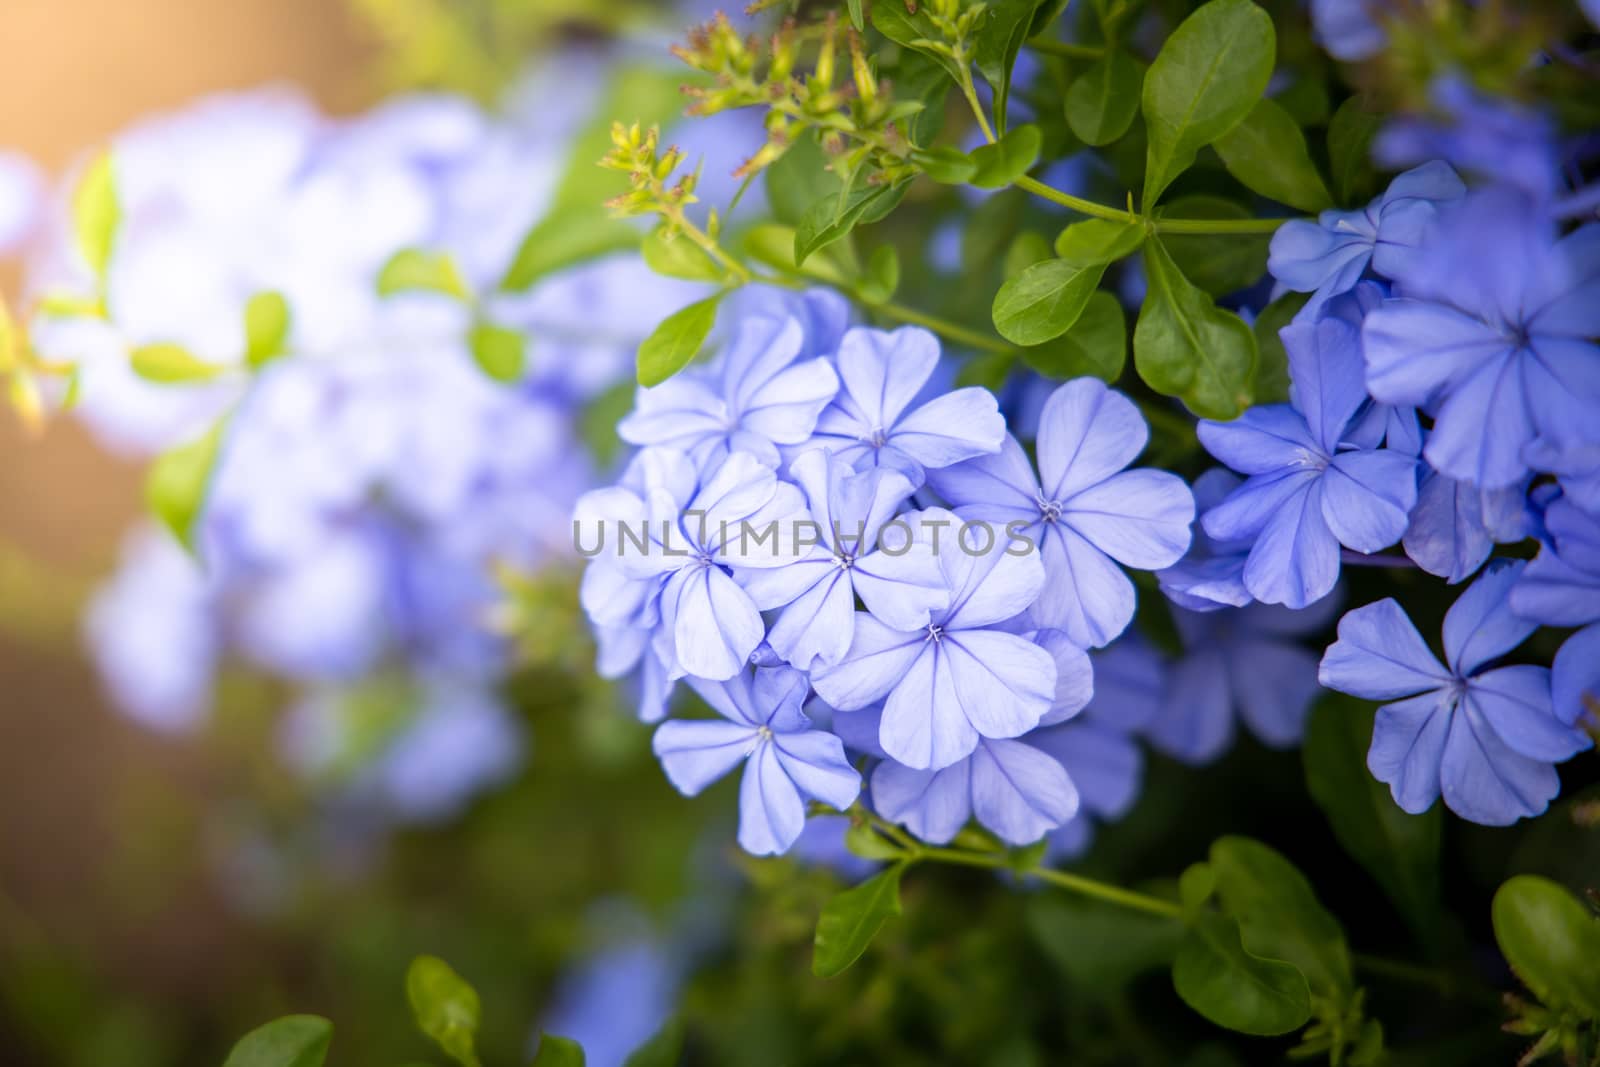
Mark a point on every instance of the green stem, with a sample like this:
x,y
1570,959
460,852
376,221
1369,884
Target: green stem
x,y
1076,883
1218,226
1076,203
950,330
1062,48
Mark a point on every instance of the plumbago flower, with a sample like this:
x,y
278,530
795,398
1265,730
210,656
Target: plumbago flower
x,y
959,678
1561,587
786,761
1330,256
1084,511
1310,488
818,591
867,425
1498,346
1485,737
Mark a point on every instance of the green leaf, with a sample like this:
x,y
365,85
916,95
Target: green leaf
x,y
1096,346
1099,241
831,218
773,244
1400,851
665,1049
1101,947
499,351
1196,886
1043,302
266,328
445,1007
1006,25
1030,247
1350,134
419,270
1552,942
1268,154
96,215
170,364
946,165
798,180
292,1041
1185,346
1279,915
1217,977
882,279
1008,159
853,918
914,31
175,488
1218,263
1103,100
558,1052
566,239
676,341
1272,363
856,18
1208,76
679,257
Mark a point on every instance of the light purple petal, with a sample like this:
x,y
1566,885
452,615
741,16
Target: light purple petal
x,y
1278,683
1408,740
1515,701
878,659
1006,683
1086,595
925,725
1481,427
1195,723
1380,655
902,591
1019,793
883,372
1004,479
1074,676
1446,536
816,763
1480,625
1263,440
1140,518
933,805
1326,367
771,813
785,409
1248,509
819,625
1575,677
948,429
696,752
1087,432
1416,350
1104,764
1295,561
1367,498
987,588
715,626
1486,782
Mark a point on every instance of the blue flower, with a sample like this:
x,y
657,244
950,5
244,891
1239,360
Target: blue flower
x,y
959,678
1561,587
786,761
1486,738
868,424
1330,256
1347,30
1015,790
1210,576
21,197
1576,465
1456,525
1309,488
696,534
1496,344
761,394
1496,139
1240,663
1085,513
817,590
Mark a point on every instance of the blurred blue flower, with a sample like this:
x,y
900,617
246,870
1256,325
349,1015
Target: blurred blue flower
x,y
1487,738
1329,256
1084,511
868,424
1309,488
817,590
786,761
1561,587
1238,664
618,996
1496,139
959,678
1498,346
1347,30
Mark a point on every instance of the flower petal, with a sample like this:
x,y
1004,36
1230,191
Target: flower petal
x,y
902,590
1295,561
1006,683
1516,702
771,813
819,625
1367,497
1087,432
1279,683
715,626
1416,350
1408,740
1380,655
1086,595
816,763
924,723
884,371
948,429
1019,793
933,805
1105,765
879,657
696,752
1140,518
1004,479
1575,677
1264,440
1486,782
1480,625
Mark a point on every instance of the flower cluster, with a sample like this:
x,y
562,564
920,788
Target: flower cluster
x,y
840,553
368,479
1442,400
